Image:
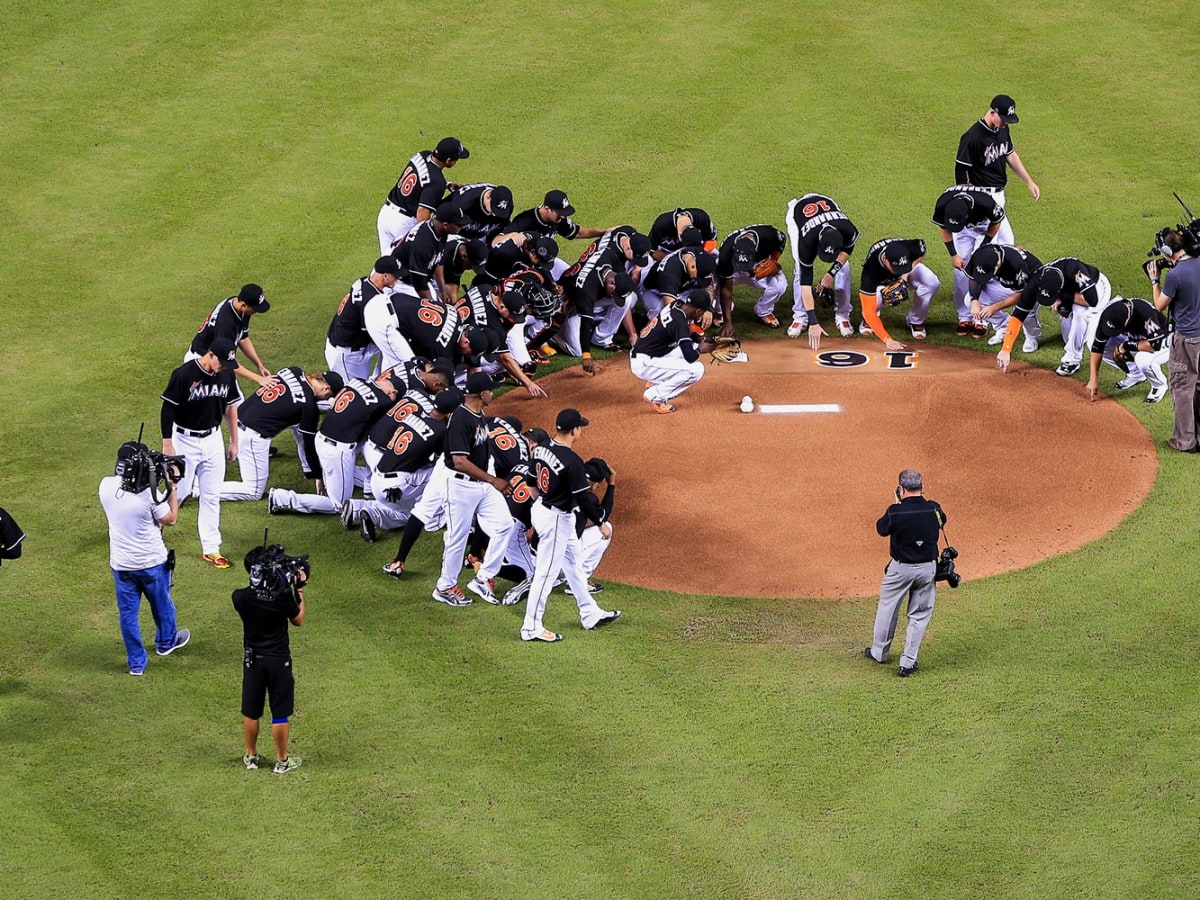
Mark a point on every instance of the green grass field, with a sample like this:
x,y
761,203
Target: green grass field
x,y
157,157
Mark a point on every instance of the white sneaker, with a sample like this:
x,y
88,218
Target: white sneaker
x,y
1030,345
864,328
1156,394
846,329
797,328
1126,383
996,338
1067,368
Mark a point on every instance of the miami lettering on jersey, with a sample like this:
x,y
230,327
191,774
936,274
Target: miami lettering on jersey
x,y
199,390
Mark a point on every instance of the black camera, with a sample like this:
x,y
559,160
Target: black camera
x,y
1191,241
273,571
139,467
945,568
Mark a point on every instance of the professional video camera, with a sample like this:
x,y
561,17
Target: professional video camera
x,y
945,567
273,571
1191,240
139,467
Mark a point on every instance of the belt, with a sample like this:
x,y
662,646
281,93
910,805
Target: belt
x,y
395,206
553,508
462,476
195,434
242,426
340,444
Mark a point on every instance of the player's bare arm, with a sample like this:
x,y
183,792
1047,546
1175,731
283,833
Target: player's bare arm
x,y
1014,163
1093,382
231,420
462,463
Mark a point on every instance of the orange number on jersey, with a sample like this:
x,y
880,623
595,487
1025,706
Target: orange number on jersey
x,y
543,479
342,305
521,492
430,314
403,410
344,399
504,440
268,393
645,331
400,441
407,182
811,209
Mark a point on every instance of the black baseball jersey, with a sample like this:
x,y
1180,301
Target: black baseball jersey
x,y
414,402
289,401
664,233
507,257
1133,316
524,492
407,370
811,214
419,254
668,330
982,209
223,321
874,273
478,310
414,445
431,327
480,223
347,329
508,447
11,536
669,276
531,221
769,242
422,183
982,155
467,435
355,409
1017,266
1078,278
452,268
606,250
561,479
195,399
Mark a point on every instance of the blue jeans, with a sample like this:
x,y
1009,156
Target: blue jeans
x,y
155,584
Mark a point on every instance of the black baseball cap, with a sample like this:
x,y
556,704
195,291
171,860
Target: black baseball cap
x,y
335,381
252,295
697,297
514,303
539,436
957,210
451,214
983,262
1006,106
477,339
597,469
478,382
743,255
639,243
830,242
706,265
557,201
545,249
623,284
451,148
898,258
225,351
691,237
448,400
477,254
501,202
387,265
1049,285
569,418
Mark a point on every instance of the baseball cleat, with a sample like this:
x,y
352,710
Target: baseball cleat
x,y
546,637
1067,368
996,338
797,328
452,596
607,619
845,329
1030,345
905,671
217,560
1156,394
964,328
918,332
594,587
979,329
1126,383
871,656
662,407
349,517
366,528
864,328
769,320
517,593
395,568
272,506
484,590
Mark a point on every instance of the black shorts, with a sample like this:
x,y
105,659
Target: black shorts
x,y
268,676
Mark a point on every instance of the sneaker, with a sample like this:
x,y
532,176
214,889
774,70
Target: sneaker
x,y
250,762
1156,394
662,407
918,332
797,328
366,528
965,328
182,636
517,593
871,656
1030,345
905,671
979,329
485,590
452,596
1066,369
864,328
218,561
845,329
137,673
272,506
607,619
996,339
395,568
283,766
594,587
349,516
769,320
1126,383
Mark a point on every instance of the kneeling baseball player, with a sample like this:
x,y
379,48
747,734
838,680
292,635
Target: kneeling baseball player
x,y
667,353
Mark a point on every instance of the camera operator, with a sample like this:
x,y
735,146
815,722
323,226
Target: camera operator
x,y
140,562
912,523
274,598
11,537
1179,289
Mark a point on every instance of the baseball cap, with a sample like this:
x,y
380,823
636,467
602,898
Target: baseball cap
x,y
451,148
252,295
398,379
743,255
478,382
1006,107
691,237
477,254
1050,285
569,418
501,202
698,298
477,338
539,436
557,201
706,265
387,265
639,244
546,249
898,258
829,243
983,262
514,303
597,469
622,284
335,381
450,213
225,351
957,210
448,400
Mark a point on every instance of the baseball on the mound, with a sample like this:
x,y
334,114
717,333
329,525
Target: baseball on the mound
x,y
747,404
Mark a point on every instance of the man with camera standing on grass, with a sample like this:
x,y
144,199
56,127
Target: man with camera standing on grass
x,y
273,600
137,513
1179,289
912,523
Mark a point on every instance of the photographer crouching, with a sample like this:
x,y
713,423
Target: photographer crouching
x,y
139,501
912,523
274,599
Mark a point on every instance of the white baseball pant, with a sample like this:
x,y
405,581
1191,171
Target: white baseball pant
x,y
608,318
993,292
772,289
559,550
391,514
350,363
392,224
518,552
337,475
669,375
381,323
924,284
1079,328
466,501
203,475
431,508
253,465
966,242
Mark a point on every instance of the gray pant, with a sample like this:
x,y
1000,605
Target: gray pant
x,y
1184,363
914,580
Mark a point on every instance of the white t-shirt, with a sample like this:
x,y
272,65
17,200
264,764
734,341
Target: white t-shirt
x,y
134,538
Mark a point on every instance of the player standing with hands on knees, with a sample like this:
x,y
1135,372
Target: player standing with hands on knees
x,y
912,523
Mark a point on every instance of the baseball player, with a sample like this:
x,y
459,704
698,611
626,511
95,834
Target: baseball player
x,y
348,346
744,258
674,273
1078,293
11,537
419,190
563,489
896,261
818,229
289,402
968,217
600,299
472,492
488,209
997,274
231,319
986,152
460,255
666,355
198,395
502,315
517,251
667,232
354,410
551,219
1143,339
593,543
420,253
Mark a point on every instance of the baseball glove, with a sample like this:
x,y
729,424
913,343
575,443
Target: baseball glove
x,y
825,296
726,349
768,268
895,293
1123,355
